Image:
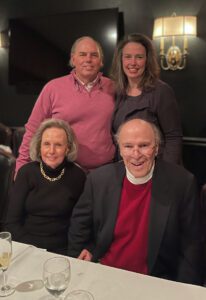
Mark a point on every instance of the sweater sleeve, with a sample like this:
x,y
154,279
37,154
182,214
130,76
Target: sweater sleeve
x,y
16,209
170,123
81,224
41,111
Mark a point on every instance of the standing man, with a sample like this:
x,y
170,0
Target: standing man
x,y
85,99
142,214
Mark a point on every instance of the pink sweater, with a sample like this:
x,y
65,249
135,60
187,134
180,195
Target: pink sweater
x,y
89,114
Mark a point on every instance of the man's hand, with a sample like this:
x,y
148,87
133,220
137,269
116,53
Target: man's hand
x,y
85,255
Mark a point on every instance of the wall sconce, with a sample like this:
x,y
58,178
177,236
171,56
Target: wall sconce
x,y
174,26
4,39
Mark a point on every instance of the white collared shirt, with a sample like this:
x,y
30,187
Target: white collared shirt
x,y
88,86
140,180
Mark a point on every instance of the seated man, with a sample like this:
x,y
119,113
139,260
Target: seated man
x,y
141,214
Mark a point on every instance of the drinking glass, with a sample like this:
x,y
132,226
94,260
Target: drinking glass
x,y
79,295
5,257
56,275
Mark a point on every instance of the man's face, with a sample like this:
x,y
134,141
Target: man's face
x,y
87,60
138,147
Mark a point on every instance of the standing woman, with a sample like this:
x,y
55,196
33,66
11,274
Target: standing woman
x,y
46,189
140,93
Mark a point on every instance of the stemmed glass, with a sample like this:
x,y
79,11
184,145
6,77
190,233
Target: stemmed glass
x,y
5,257
56,275
79,295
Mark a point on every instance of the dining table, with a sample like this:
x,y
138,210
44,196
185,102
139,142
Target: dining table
x,y
103,282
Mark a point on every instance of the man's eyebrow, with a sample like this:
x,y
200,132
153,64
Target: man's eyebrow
x,y
89,52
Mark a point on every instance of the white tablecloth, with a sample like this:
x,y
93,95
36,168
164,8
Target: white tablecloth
x,y
103,282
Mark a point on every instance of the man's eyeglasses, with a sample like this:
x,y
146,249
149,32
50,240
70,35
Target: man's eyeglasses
x,y
142,148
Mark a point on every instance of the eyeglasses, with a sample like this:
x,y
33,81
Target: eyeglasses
x,y
142,148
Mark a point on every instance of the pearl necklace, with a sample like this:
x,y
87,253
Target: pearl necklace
x,y
51,178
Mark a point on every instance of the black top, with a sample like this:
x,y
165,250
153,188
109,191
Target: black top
x,y
39,210
157,106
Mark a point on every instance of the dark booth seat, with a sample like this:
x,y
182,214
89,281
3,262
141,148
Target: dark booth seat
x,y
7,167
203,210
17,136
5,135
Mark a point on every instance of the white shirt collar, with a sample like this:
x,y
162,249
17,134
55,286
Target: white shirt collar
x,y
88,85
140,180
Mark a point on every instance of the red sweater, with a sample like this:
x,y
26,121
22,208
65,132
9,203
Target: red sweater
x,y
130,243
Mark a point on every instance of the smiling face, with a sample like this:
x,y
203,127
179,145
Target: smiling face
x,y
134,61
86,59
54,146
137,147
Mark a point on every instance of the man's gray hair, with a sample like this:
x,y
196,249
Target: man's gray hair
x,y
73,48
35,144
155,129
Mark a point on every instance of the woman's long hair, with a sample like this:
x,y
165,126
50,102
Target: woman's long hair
x,y
152,70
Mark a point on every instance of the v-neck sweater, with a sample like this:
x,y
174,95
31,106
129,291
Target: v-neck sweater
x,y
88,113
129,249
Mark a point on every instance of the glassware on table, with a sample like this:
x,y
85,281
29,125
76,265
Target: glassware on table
x,y
79,295
5,257
56,275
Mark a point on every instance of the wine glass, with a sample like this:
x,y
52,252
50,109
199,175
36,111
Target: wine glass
x,y
79,295
56,275
5,257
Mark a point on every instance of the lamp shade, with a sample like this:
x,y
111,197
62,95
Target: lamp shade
x,y
1,44
4,39
175,26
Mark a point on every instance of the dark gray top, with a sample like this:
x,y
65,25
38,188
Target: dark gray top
x,y
158,106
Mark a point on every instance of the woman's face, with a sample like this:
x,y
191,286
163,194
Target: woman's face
x,y
54,146
134,61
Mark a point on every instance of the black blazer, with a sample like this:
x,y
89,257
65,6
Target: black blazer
x,y
175,239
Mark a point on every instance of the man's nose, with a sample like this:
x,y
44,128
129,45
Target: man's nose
x,y
88,56
136,151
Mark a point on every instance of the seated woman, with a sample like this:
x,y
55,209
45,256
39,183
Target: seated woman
x,y
46,189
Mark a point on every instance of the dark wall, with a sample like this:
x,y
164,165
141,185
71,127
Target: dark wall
x,y
138,16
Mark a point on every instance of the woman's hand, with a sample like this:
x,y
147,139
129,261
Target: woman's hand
x,y
85,255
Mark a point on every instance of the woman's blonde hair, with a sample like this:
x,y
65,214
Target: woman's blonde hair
x,y
35,144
